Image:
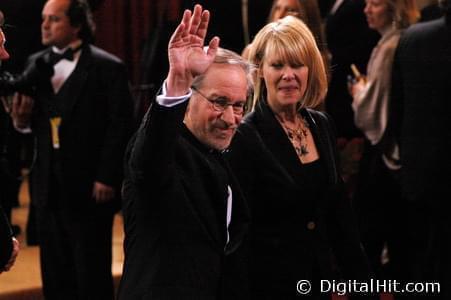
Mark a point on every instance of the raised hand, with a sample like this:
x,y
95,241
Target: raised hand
x,y
187,58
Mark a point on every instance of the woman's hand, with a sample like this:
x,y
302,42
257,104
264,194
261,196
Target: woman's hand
x,y
356,85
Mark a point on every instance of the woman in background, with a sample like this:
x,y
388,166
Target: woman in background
x,y
306,10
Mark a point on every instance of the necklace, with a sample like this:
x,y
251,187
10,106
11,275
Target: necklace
x,y
298,135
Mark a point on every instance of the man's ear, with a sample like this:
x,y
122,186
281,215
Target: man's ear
x,y
187,114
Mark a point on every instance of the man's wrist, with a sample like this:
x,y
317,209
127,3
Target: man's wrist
x,y
177,85
168,101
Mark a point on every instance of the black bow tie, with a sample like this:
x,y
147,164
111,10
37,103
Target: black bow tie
x,y
54,57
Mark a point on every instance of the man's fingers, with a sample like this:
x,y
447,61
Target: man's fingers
x,y
22,103
100,197
195,19
203,26
104,196
25,104
213,47
184,25
16,102
5,104
181,30
102,193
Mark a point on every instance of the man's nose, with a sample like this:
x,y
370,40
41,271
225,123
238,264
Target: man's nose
x,y
228,115
44,24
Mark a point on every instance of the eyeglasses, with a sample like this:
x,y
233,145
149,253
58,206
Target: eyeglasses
x,y
220,104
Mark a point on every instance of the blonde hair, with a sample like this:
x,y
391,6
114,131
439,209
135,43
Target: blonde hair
x,y
404,12
291,40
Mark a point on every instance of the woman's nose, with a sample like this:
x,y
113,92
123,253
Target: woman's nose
x,y
288,73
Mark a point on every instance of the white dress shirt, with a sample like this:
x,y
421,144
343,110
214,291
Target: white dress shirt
x,y
63,69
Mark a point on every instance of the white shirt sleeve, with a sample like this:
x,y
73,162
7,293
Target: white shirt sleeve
x,y
164,100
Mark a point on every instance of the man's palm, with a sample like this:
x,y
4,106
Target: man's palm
x,y
186,54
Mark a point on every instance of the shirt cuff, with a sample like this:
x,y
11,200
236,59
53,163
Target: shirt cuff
x,y
24,130
164,100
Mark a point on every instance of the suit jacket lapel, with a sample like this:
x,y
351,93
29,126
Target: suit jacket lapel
x,y
275,139
323,135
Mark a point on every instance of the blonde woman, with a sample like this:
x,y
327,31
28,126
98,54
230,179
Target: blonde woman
x,y
285,159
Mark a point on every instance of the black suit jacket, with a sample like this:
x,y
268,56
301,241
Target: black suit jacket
x,y
175,213
266,166
95,128
421,96
421,92
349,41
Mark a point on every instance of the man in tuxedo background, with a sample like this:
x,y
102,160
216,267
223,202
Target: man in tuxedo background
x,y
81,117
184,214
421,90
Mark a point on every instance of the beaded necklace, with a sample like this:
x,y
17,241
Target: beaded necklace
x,y
298,135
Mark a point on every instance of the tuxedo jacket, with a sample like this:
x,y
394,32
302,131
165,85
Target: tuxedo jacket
x,y
284,214
421,91
96,112
174,206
